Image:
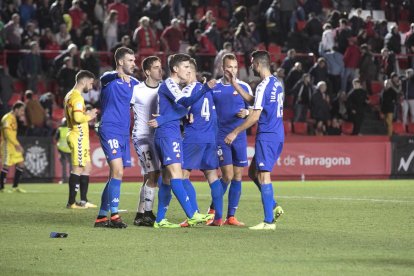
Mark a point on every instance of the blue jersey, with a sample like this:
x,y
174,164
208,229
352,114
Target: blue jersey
x,y
269,98
168,95
204,127
115,100
228,103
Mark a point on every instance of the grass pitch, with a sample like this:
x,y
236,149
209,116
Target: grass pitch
x,y
329,227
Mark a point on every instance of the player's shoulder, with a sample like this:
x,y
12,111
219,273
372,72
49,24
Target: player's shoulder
x,y
245,85
108,73
135,81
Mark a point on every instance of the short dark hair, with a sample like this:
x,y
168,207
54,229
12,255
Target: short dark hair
x,y
148,61
82,74
121,52
175,60
17,105
262,57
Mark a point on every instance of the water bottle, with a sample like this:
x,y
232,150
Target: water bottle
x,y
58,235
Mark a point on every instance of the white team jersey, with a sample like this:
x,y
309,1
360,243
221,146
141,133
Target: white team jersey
x,y
144,103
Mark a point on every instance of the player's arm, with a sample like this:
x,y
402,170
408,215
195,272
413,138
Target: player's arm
x,y
79,116
111,76
178,112
248,98
196,94
251,120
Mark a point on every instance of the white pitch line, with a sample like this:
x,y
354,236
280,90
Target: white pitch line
x,y
376,200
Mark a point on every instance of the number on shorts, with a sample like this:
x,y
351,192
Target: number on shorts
x,y
147,155
176,147
113,143
205,110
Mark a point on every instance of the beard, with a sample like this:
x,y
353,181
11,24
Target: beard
x,y
255,73
85,90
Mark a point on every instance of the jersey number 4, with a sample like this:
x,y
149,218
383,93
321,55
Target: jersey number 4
x,y
205,110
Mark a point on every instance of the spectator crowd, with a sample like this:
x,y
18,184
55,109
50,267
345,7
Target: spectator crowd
x,y
331,55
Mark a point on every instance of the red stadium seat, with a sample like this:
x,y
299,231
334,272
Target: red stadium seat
x,y
275,51
14,98
347,128
410,128
41,87
374,100
327,4
19,86
403,26
300,128
288,127
398,128
403,62
261,46
58,114
288,114
300,25
376,87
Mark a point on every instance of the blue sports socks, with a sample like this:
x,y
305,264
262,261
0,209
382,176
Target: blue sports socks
x,y
217,196
182,197
234,197
267,201
189,188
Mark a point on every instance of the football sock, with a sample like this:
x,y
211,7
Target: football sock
x,y
182,197
267,201
224,186
164,198
256,181
3,176
149,194
73,182
84,185
217,196
114,190
189,188
17,174
234,197
140,207
104,209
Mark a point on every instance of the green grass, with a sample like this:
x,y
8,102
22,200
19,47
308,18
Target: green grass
x,y
330,227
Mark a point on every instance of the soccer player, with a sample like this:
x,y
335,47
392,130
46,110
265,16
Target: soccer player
x,y
231,110
115,101
268,112
199,146
168,141
11,150
78,139
144,103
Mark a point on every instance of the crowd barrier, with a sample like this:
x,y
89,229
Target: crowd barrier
x,y
303,157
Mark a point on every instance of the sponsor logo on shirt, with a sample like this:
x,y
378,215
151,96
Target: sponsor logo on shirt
x,y
216,91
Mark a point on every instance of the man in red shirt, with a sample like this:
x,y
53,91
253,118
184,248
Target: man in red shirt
x,y
352,56
144,36
123,15
171,37
77,14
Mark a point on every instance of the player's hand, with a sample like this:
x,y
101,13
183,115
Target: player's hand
x,y
19,148
124,77
230,138
229,75
211,83
152,123
92,113
242,113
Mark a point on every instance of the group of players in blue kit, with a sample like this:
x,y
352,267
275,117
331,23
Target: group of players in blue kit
x,y
215,117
